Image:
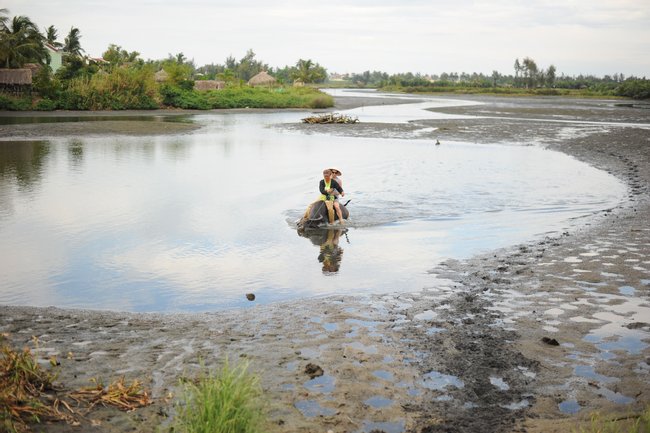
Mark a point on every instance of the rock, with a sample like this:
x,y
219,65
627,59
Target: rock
x,y
313,370
550,341
250,296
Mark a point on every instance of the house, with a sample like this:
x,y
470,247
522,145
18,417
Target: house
x,y
209,85
262,79
56,57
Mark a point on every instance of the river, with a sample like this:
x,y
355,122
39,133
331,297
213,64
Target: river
x,y
195,221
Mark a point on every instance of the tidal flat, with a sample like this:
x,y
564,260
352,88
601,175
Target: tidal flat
x,y
470,354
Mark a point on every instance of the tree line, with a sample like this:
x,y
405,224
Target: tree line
x,y
122,79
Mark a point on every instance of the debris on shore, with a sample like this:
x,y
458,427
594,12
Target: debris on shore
x,y
330,118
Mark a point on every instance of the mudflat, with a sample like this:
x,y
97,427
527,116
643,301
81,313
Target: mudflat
x,y
530,338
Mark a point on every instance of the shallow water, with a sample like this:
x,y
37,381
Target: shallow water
x,y
193,222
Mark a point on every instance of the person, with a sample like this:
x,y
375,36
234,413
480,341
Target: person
x,y
327,186
336,173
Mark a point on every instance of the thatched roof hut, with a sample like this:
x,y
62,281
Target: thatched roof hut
x,y
161,76
262,79
20,77
209,85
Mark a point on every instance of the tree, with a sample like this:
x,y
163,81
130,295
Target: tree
x,y
550,76
118,56
51,35
530,72
72,44
309,72
21,42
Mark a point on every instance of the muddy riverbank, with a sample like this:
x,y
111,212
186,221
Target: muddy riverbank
x,y
474,353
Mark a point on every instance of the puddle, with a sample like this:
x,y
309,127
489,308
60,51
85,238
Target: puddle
x,y
627,290
323,384
386,427
330,327
434,330
569,407
615,397
378,402
588,372
437,381
499,383
383,374
312,409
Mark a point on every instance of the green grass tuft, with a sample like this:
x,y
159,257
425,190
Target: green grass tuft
x,y
225,401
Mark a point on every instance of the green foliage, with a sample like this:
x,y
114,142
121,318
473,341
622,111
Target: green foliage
x,y
11,103
634,88
245,97
121,89
20,43
226,401
46,105
117,56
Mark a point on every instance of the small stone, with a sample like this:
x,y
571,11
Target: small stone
x,y
250,296
550,341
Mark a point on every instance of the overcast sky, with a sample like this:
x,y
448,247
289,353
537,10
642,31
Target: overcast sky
x,y
577,36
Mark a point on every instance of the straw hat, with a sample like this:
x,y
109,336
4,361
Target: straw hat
x,y
336,171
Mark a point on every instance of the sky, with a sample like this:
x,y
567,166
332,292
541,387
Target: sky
x,y
595,37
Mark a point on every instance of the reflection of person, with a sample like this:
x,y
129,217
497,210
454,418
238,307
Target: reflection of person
x,y
327,186
330,252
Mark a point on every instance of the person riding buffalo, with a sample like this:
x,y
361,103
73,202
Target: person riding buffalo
x,y
328,187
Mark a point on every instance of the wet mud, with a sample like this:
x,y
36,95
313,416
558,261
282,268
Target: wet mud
x,y
474,353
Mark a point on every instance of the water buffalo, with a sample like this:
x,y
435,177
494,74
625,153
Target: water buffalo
x,y
316,215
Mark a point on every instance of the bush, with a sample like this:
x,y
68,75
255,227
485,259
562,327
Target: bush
x,y
15,103
634,88
45,105
244,97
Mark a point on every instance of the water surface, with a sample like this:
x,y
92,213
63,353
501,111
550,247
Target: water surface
x,y
193,222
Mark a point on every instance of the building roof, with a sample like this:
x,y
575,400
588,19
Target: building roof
x,y
16,76
261,79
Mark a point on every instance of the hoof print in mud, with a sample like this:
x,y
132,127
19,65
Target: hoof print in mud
x,y
313,370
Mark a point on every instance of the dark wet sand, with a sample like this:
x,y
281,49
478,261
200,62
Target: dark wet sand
x,y
466,357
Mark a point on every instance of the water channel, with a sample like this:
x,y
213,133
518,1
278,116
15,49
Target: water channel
x,y
193,222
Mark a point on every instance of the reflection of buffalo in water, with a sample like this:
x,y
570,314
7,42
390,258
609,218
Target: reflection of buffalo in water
x,y
330,252
316,215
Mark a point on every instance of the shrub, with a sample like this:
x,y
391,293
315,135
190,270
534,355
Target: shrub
x,y
634,88
46,105
120,89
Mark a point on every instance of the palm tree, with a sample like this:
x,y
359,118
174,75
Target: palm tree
x,y
4,17
72,44
308,72
51,35
20,42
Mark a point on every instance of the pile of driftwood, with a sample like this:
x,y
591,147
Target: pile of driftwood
x,y
330,118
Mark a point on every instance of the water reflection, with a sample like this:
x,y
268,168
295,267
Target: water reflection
x,y
24,161
330,253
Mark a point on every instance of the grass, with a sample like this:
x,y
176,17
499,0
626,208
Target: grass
x,y
225,401
502,91
22,381
599,423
